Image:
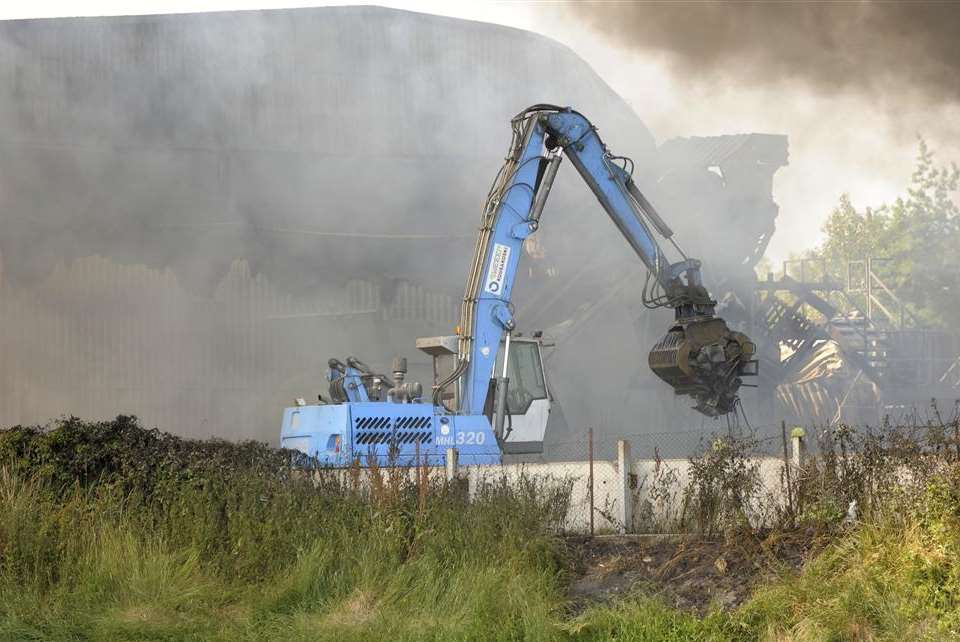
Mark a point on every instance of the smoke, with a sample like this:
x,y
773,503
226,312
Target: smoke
x,y
871,48
199,210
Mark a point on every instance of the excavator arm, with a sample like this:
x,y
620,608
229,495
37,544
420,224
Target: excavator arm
x,y
373,417
699,356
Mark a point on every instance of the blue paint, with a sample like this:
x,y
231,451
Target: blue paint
x,y
607,180
513,211
396,432
387,432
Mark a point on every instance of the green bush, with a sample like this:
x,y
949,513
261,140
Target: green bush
x,y
140,535
724,488
896,577
112,532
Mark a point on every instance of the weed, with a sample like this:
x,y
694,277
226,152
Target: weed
x,y
112,532
724,487
656,503
145,536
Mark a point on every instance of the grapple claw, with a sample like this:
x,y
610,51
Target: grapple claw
x,y
704,359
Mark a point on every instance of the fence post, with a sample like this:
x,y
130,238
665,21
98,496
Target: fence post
x,y
453,461
590,477
626,496
799,448
786,468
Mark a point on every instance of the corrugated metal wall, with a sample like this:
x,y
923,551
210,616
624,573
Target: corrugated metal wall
x,y
97,338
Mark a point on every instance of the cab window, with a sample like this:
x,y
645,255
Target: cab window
x,y
526,376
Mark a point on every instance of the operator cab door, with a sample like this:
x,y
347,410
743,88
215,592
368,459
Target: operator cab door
x,y
528,398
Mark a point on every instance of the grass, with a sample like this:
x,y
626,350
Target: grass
x,y
110,532
161,539
897,578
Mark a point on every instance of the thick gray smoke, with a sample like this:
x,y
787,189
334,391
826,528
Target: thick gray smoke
x,y
197,211
874,48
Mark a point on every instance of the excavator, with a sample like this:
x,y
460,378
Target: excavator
x,y
490,395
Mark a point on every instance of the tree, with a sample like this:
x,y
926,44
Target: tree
x,y
919,234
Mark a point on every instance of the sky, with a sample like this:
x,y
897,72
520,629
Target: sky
x,y
840,141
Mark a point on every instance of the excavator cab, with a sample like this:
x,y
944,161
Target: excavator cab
x,y
529,399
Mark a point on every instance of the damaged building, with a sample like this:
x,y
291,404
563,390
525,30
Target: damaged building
x,y
199,210
845,348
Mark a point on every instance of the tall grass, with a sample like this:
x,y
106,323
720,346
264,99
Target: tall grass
x,y
896,577
111,532
162,539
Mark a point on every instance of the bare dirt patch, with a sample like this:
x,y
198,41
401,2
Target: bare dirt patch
x,y
687,572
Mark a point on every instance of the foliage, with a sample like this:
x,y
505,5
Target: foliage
x,y
212,541
655,499
918,234
647,620
724,488
121,453
862,472
207,540
895,577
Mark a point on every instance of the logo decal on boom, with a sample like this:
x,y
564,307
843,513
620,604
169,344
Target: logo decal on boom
x,y
498,269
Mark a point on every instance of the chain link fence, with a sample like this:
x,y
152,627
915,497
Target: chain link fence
x,y
714,481
641,482
704,480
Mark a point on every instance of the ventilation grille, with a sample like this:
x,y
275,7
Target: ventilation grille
x,y
402,431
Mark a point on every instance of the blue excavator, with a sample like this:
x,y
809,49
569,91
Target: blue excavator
x,y
490,395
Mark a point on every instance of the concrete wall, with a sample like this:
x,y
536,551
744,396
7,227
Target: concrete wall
x,y
622,487
624,496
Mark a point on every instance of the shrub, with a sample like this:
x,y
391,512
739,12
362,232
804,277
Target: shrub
x,y
724,487
111,531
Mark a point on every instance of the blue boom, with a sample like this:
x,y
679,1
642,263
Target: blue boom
x,y
371,416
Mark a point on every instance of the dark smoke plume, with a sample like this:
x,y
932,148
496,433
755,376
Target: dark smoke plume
x,y
873,48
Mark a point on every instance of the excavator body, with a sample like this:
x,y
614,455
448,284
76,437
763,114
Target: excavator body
x,y
476,405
